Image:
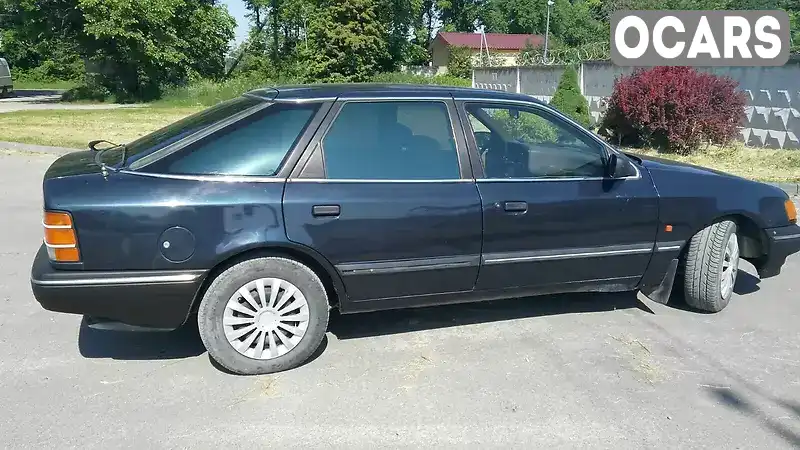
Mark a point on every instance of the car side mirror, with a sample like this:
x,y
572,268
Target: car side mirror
x,y
612,165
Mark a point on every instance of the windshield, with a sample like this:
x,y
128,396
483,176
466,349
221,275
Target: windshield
x,y
189,125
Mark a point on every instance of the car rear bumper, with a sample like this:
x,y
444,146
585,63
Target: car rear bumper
x,y
781,242
153,299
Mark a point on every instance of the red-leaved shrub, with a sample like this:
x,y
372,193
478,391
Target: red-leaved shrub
x,y
673,108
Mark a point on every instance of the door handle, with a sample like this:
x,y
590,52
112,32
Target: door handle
x,y
325,210
515,206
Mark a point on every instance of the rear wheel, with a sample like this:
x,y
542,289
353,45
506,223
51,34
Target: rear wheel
x,y
710,267
263,316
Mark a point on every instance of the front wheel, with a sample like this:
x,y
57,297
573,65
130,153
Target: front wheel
x,y
263,316
711,265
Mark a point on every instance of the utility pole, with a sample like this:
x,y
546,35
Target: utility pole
x,y
547,30
484,42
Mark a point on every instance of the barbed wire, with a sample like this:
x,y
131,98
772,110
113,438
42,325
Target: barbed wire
x,y
594,51
561,56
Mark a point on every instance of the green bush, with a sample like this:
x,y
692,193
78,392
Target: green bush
x,y
89,89
209,93
674,108
569,100
528,128
459,63
50,72
48,75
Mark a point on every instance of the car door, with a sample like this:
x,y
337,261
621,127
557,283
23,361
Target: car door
x,y
385,193
552,219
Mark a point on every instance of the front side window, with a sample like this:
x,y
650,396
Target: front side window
x,y
254,145
393,140
516,142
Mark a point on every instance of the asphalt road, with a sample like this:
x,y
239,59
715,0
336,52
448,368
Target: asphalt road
x,y
599,371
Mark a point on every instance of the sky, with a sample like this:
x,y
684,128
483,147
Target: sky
x,y
237,10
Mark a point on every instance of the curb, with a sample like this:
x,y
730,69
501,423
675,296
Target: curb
x,y
16,146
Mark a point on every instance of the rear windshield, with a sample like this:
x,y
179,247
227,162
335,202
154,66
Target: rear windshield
x,y
187,126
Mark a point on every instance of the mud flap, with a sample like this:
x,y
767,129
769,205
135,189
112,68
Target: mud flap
x,y
662,292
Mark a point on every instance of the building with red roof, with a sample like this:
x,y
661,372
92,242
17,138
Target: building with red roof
x,y
504,48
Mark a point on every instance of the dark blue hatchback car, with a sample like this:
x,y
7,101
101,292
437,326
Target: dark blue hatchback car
x,y
262,213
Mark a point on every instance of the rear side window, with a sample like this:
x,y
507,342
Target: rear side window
x,y
196,123
255,145
394,140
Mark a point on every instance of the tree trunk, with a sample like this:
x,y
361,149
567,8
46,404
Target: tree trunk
x,y
275,32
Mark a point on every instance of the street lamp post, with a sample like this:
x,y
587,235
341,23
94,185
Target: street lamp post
x,y
547,30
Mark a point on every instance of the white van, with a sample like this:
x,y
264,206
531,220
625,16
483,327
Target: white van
x,y
6,87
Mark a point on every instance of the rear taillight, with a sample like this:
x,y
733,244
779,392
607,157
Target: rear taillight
x,y
60,237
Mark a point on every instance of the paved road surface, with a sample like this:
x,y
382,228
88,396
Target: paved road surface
x,y
599,371
28,100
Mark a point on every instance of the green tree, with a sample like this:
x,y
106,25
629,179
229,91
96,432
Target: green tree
x,y
425,26
569,100
527,56
571,22
134,47
347,42
278,27
513,16
398,18
459,63
458,15
42,35
526,127
417,52
138,47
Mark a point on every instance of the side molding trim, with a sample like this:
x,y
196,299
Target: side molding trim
x,y
567,253
121,278
411,265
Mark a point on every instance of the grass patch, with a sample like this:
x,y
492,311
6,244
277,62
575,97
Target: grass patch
x,y
208,93
754,163
60,85
75,128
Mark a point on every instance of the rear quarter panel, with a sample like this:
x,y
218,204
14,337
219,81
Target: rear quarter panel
x,y
119,220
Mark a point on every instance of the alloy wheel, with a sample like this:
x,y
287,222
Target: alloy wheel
x,y
730,266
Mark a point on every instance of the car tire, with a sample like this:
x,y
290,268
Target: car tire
x,y
710,267
274,344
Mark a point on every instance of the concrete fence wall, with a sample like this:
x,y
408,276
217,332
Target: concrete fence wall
x,y
773,94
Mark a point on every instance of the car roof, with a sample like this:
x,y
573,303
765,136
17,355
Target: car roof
x,y
381,90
